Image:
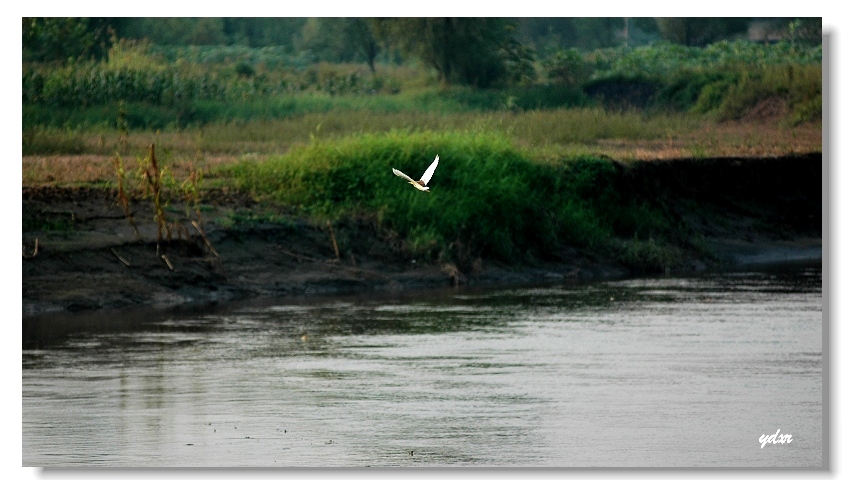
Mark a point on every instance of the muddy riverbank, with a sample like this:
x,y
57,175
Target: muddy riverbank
x,y
90,257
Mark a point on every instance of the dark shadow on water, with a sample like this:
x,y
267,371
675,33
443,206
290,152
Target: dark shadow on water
x,y
384,313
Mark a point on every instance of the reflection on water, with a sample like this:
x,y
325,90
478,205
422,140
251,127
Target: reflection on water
x,y
676,372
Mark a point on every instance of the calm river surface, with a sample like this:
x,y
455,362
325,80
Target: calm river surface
x,y
665,372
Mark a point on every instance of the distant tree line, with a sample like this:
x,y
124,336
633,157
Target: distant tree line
x,y
474,51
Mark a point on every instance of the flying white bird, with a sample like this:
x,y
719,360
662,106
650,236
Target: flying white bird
x,y
425,179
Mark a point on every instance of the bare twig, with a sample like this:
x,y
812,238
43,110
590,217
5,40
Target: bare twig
x,y
125,262
34,252
167,261
201,231
190,188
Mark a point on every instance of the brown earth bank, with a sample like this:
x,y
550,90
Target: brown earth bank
x,y
80,252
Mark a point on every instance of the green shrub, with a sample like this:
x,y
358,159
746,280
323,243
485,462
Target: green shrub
x,y
244,69
808,111
682,90
567,66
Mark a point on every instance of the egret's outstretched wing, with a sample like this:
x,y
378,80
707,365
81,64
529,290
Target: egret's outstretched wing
x,y
402,175
425,179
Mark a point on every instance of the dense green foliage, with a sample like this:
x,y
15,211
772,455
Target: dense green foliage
x,y
183,86
487,199
663,59
61,39
697,31
325,36
245,31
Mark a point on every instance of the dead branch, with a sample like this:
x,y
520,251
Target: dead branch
x,y
204,237
125,262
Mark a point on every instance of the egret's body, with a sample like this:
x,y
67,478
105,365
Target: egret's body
x,y
425,179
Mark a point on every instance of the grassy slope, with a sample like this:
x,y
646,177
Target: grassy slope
x,y
488,198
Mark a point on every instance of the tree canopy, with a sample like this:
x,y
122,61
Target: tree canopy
x,y
50,39
340,40
467,50
461,50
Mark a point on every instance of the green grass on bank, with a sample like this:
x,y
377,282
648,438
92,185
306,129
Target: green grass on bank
x,y
146,115
488,199
536,128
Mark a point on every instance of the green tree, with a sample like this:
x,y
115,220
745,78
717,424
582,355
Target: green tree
x,y
340,40
800,30
51,39
518,60
360,34
700,31
251,32
207,31
548,34
807,30
263,31
462,50
596,32
162,31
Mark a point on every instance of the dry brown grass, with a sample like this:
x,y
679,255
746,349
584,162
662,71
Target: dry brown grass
x,y
43,170
730,139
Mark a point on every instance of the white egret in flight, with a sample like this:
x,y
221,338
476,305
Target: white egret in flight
x,y
425,179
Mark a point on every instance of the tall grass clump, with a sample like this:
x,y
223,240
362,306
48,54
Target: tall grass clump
x,y
726,79
488,198
799,89
663,59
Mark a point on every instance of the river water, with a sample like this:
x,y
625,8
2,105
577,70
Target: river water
x,y
656,372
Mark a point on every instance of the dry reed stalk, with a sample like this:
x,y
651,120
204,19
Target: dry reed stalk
x,y
183,233
333,239
198,227
191,192
153,175
121,192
